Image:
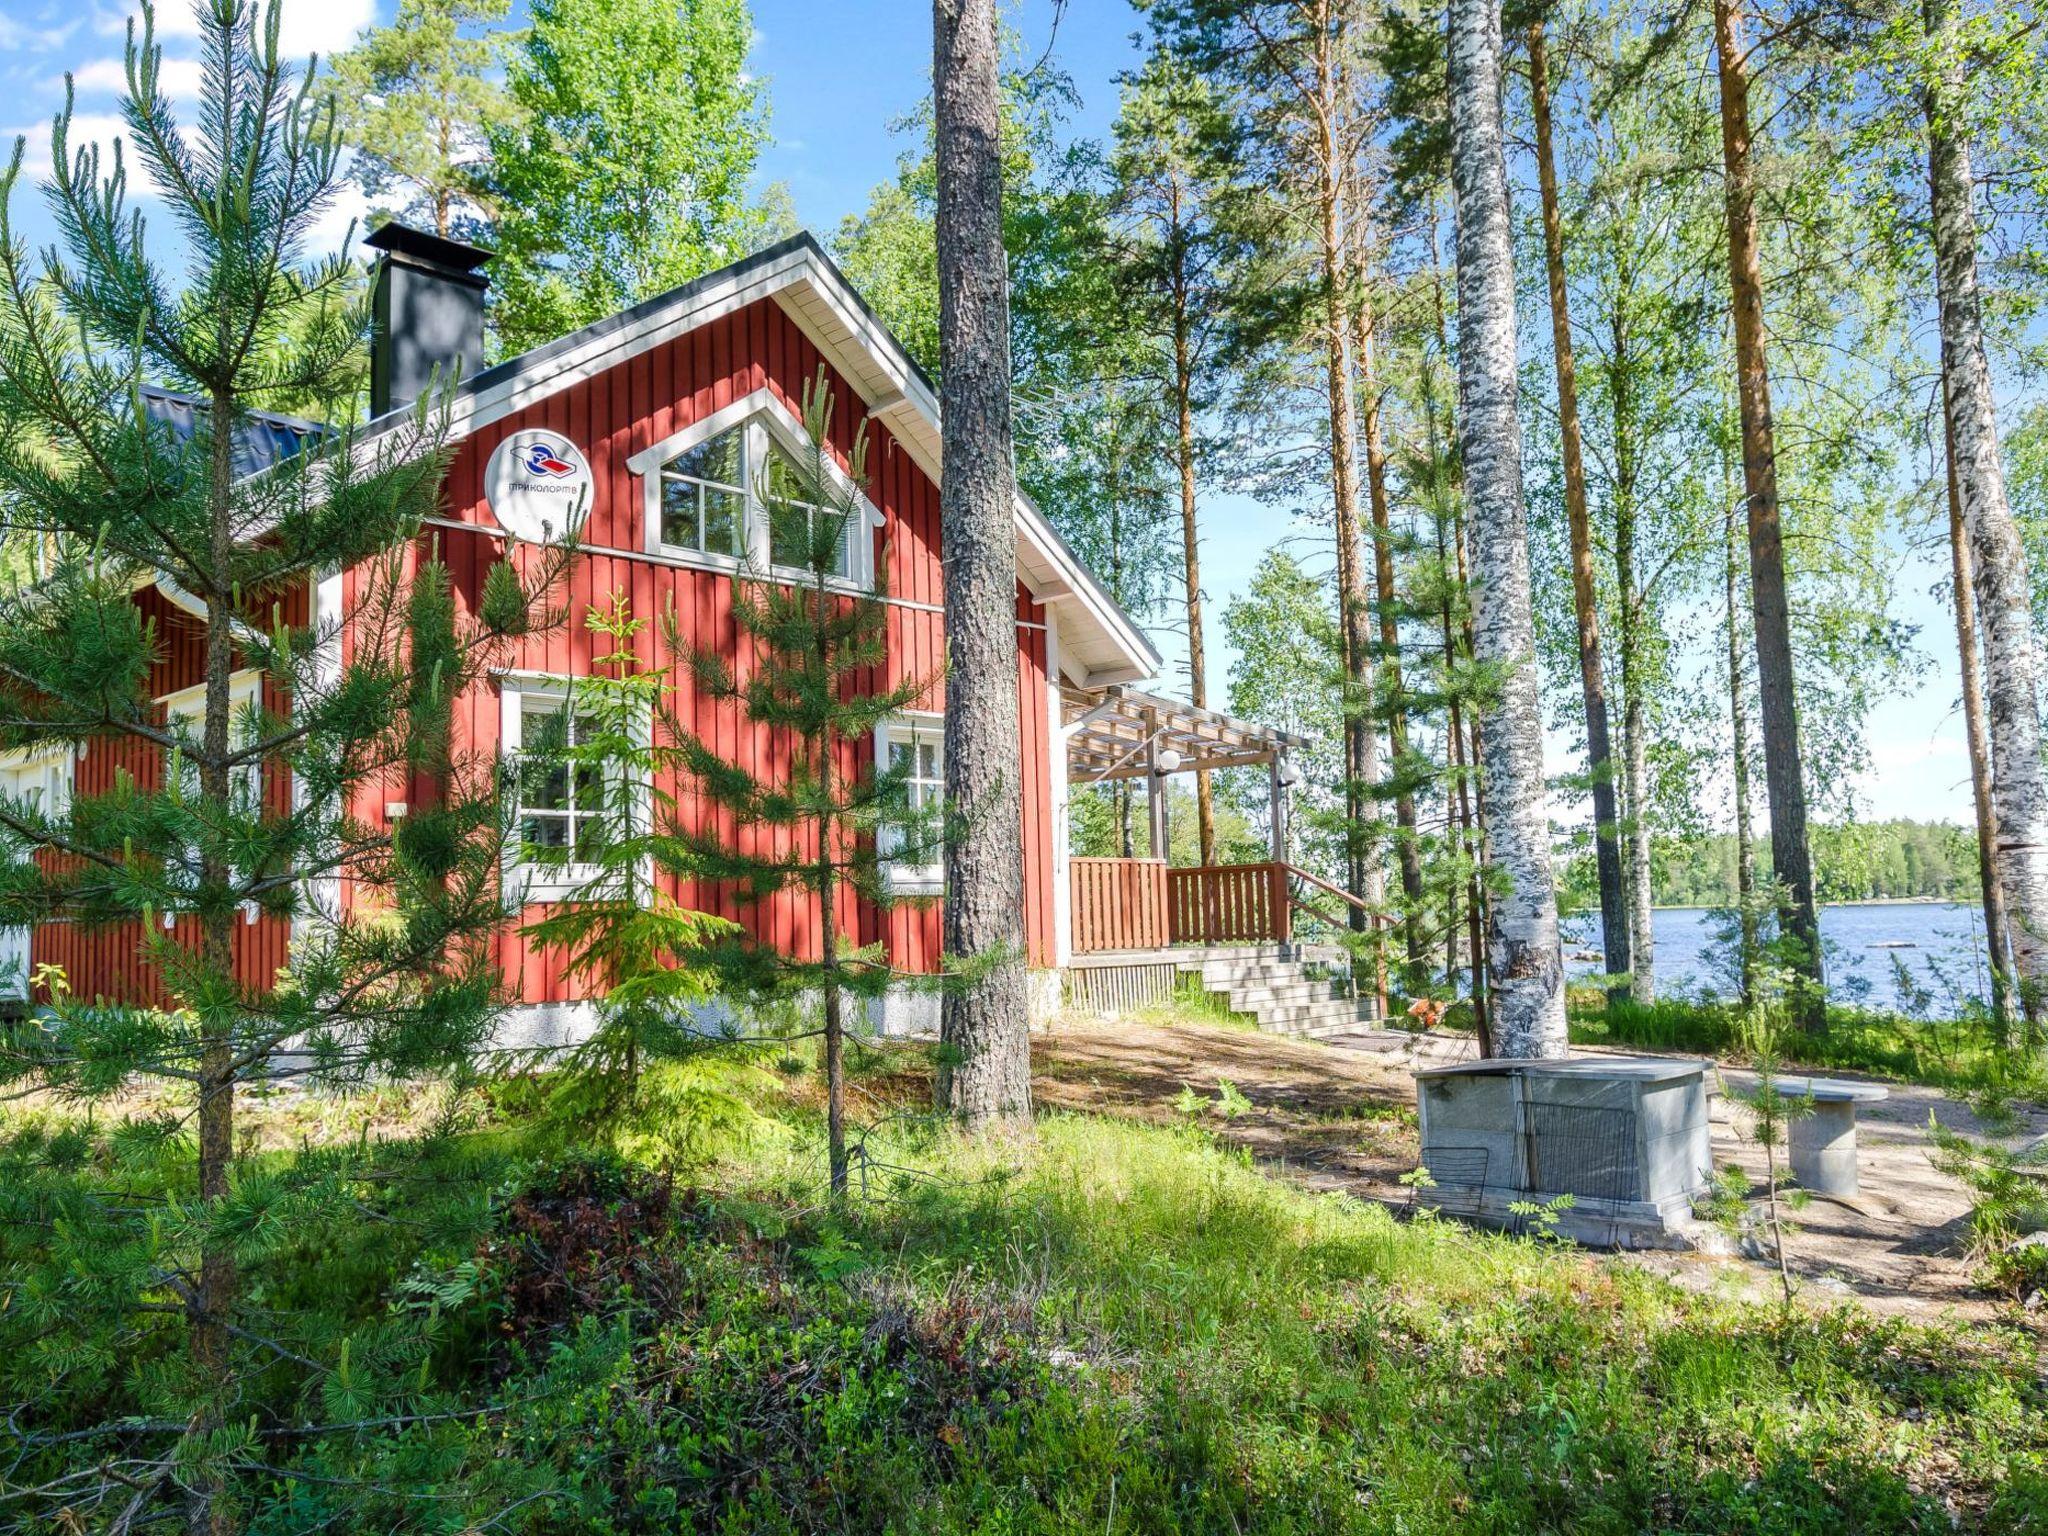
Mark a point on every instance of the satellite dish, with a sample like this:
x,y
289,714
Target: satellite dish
x,y
539,486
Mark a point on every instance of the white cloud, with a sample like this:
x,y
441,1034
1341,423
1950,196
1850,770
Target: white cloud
x,y
18,36
309,26
179,78
101,128
332,227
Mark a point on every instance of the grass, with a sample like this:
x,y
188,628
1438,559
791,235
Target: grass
x,y
1114,1327
1193,1002
1956,1055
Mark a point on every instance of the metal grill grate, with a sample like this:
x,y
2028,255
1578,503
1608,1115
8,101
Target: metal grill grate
x,y
1459,1179
1591,1152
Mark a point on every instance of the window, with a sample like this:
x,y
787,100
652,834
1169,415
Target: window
x,y
915,748
561,803
704,497
185,714
559,809
793,520
41,778
731,491
37,780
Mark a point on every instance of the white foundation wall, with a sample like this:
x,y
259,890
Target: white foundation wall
x,y
903,1013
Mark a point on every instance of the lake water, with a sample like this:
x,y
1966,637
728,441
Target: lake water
x,y
1940,945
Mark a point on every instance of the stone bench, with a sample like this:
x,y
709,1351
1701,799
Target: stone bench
x,y
1823,1142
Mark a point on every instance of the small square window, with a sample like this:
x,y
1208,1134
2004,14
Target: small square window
x,y
704,498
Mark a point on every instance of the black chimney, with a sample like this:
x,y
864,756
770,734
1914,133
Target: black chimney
x,y
428,305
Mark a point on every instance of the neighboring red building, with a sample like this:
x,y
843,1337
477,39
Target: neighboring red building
x,y
668,415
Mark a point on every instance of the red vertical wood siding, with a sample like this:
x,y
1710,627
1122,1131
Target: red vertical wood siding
x,y
108,962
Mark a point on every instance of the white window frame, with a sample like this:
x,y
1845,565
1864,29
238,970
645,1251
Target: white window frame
x,y
56,767
898,877
764,419
520,694
187,708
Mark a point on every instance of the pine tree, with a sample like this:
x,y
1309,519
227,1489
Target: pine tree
x,y
1179,260
809,668
417,102
620,928
128,1287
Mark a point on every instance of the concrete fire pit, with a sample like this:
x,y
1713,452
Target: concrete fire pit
x,y
1626,1137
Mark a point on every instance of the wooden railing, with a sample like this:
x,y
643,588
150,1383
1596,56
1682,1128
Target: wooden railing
x,y
1141,904
1229,904
1138,904
1119,904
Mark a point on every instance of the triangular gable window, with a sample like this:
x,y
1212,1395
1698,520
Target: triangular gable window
x,y
735,492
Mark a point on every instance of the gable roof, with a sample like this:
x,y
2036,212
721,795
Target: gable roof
x,y
1100,642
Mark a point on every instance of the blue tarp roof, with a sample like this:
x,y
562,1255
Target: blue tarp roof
x,y
262,440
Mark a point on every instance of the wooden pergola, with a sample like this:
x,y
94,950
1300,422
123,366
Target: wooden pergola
x,y
1135,907
1122,733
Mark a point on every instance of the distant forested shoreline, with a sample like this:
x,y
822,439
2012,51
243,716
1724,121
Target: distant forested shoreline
x,y
1854,861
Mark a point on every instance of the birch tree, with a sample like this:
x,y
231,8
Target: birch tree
x,y
1527,978
2019,786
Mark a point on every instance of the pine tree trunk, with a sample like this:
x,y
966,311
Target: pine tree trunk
x,y
984,1072
1784,774
1191,554
1526,975
211,1299
834,1042
1361,746
1997,952
1738,729
2019,787
1635,744
1407,850
1618,958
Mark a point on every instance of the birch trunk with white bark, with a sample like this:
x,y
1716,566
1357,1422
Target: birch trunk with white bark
x,y
1527,1002
2019,788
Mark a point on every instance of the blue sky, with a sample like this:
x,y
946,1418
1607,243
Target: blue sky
x,y
840,75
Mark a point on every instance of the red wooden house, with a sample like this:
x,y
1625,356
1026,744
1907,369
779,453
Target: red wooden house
x,y
662,425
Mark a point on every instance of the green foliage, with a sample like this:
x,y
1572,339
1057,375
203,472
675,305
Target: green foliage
x,y
1134,1325
418,101
1946,1054
1893,860
2009,1200
623,170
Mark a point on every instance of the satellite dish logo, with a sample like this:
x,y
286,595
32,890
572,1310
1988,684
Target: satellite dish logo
x,y
541,459
538,486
